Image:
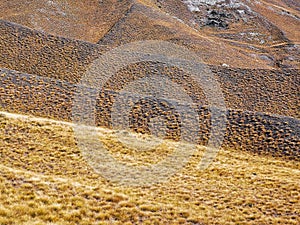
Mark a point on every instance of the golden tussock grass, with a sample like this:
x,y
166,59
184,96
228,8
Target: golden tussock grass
x,y
44,179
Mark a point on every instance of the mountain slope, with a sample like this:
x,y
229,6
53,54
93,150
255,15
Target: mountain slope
x,y
48,181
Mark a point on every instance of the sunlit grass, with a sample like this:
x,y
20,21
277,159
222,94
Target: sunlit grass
x,y
44,179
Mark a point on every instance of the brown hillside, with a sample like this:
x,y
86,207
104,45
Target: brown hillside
x,y
251,39
83,20
239,112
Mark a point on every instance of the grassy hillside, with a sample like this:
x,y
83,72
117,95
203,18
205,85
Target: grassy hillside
x,y
45,180
251,48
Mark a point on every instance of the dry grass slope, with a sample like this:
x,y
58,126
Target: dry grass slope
x,y
46,47
45,179
82,20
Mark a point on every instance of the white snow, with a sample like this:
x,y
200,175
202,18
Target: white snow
x,y
193,5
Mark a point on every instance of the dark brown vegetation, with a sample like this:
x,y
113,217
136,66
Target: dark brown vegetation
x,y
255,131
33,52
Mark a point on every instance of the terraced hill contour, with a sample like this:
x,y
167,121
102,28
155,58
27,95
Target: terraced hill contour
x,y
34,52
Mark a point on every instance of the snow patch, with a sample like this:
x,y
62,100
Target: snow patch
x,y
193,5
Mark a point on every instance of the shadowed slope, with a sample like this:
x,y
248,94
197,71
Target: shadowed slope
x,y
34,52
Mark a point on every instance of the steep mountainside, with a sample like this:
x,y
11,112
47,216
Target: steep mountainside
x,y
255,32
